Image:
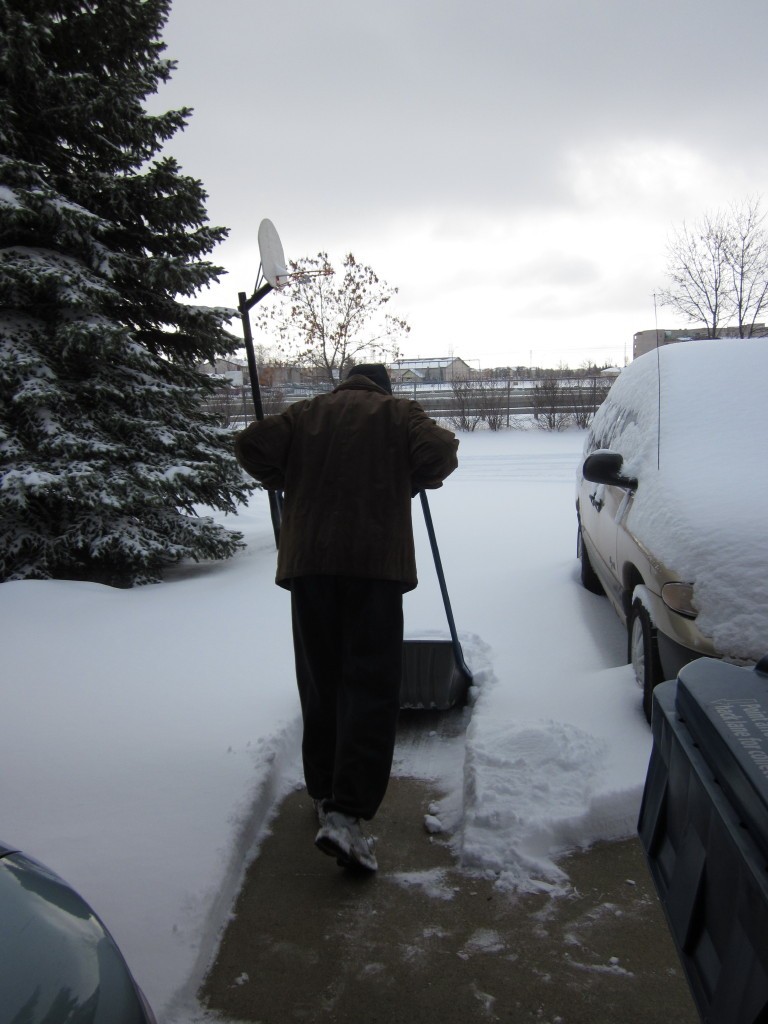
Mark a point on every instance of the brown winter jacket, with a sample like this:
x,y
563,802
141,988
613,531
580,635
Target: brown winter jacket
x,y
349,463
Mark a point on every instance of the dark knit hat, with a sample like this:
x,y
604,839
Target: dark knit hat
x,y
376,372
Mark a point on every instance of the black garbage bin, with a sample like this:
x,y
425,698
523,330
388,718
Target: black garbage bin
x,y
704,828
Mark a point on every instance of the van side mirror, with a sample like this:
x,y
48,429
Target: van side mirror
x,y
604,467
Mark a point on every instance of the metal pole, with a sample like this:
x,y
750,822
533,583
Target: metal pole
x,y
244,306
253,372
458,654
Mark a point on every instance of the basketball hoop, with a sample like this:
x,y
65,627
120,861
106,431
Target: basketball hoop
x,y
273,274
273,265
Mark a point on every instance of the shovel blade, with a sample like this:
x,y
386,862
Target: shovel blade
x,y
431,677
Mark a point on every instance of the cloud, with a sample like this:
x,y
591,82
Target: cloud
x,y
555,269
525,158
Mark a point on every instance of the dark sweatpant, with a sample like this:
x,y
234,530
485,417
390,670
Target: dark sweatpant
x,y
348,642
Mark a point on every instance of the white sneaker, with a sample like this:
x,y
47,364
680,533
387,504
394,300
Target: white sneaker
x,y
340,836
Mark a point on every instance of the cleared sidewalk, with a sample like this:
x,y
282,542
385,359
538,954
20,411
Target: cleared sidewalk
x,y
423,943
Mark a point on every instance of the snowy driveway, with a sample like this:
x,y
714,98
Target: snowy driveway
x,y
146,733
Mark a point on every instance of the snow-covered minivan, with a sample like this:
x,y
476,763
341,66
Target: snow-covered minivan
x,y
672,505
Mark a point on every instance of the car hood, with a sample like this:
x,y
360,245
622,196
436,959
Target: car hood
x,y
720,547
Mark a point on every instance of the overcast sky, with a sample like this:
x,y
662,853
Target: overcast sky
x,y
514,167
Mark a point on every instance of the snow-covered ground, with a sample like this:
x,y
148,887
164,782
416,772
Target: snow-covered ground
x,y
146,734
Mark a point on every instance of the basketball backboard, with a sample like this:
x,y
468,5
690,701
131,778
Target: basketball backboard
x,y
271,251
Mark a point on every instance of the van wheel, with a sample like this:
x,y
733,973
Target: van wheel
x,y
589,578
643,653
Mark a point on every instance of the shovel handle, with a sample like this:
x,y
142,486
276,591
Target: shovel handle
x,y
458,654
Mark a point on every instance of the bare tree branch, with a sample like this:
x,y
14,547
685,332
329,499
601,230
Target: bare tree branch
x,y
328,322
718,269
697,268
747,258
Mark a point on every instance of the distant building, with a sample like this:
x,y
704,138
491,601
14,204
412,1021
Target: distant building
x,y
235,369
646,341
438,369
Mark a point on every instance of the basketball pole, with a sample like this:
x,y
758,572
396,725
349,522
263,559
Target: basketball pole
x,y
272,274
245,305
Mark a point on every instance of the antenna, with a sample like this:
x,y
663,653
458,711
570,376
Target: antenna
x,y
658,378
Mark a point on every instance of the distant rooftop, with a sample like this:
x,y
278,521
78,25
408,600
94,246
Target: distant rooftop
x,y
415,364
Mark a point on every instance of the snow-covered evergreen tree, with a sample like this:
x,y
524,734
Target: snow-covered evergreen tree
x,y
104,449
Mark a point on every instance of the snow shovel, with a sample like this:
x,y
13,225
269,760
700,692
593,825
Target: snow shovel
x,y
435,675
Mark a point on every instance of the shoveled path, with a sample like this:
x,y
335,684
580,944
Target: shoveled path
x,y
422,942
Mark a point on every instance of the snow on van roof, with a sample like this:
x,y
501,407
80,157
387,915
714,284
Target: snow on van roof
x,y
691,422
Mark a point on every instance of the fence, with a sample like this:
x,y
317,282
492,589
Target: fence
x,y
554,402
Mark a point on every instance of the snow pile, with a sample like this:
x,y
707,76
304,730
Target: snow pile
x,y
524,782
148,733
